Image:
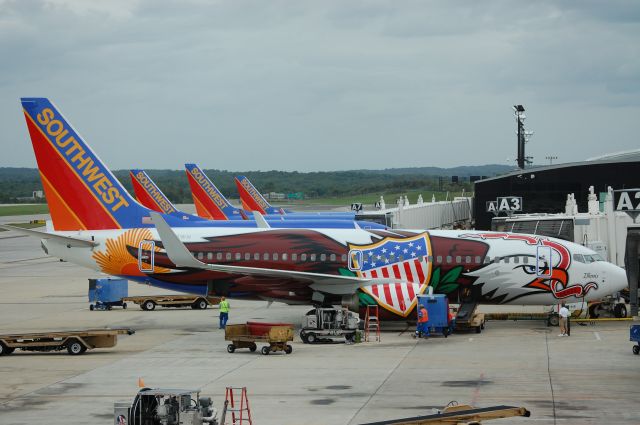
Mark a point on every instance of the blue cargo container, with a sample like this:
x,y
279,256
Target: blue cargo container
x,y
437,306
107,292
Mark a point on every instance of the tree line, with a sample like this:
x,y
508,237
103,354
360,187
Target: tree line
x,y
16,184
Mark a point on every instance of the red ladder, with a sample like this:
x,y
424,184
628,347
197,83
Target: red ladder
x,y
371,323
237,413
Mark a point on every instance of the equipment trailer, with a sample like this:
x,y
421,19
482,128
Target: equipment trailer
x,y
194,301
75,342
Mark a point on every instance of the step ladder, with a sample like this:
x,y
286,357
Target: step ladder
x,y
371,323
239,414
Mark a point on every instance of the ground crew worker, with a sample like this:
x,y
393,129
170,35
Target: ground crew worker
x,y
224,312
423,322
564,319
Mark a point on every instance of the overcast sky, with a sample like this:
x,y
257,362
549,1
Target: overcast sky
x,y
307,86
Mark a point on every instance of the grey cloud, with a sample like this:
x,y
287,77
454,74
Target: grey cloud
x,y
322,85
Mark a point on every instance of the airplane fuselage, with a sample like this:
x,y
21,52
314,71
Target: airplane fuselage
x,y
496,268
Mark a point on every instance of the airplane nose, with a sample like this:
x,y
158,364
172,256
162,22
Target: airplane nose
x,y
616,278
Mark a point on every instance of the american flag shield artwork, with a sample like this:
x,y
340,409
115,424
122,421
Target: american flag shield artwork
x,y
393,258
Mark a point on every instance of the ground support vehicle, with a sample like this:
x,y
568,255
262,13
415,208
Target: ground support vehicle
x,y
634,335
327,324
468,320
460,414
75,342
437,306
194,301
275,335
166,407
106,293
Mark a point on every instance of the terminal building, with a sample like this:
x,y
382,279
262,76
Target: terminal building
x,y
544,189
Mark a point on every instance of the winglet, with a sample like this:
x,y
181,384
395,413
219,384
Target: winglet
x,y
261,223
176,250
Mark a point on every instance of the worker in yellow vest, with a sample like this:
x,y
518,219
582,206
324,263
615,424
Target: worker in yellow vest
x,y
224,312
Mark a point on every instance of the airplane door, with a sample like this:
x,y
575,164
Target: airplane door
x,y
544,264
146,254
355,260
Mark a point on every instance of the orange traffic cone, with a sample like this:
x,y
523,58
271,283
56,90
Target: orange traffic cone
x,y
141,383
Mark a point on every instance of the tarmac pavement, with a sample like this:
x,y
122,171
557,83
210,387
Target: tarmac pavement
x,y
591,377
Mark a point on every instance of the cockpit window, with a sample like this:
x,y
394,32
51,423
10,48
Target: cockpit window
x,y
579,258
592,258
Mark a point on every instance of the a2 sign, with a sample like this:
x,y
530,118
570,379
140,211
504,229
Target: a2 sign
x,y
508,204
627,200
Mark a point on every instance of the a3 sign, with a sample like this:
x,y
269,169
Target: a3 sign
x,y
507,204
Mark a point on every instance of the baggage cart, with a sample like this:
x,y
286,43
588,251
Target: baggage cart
x,y
634,336
275,335
105,293
75,342
149,302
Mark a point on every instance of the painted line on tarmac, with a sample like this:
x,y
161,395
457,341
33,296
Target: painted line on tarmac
x,y
597,335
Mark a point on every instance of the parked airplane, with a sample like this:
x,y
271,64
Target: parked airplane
x,y
212,204
252,200
150,196
96,224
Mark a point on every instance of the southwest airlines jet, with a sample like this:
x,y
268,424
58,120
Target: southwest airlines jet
x,y
150,196
95,223
212,204
253,200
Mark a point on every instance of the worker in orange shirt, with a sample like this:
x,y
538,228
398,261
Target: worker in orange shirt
x,y
423,323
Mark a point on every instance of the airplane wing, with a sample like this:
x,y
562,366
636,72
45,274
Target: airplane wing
x,y
182,257
67,240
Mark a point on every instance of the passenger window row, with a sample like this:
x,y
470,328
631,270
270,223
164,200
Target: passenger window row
x,y
468,259
266,256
